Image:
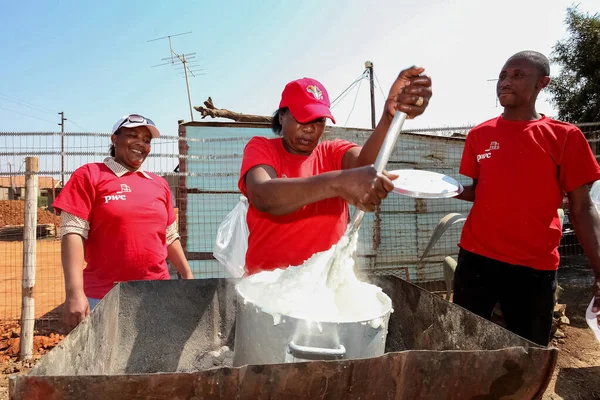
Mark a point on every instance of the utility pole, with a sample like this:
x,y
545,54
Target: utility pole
x,y
369,66
62,148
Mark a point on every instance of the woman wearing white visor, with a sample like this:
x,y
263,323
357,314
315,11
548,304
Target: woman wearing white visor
x,y
117,218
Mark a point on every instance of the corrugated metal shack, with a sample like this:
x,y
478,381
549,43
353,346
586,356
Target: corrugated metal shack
x,y
391,240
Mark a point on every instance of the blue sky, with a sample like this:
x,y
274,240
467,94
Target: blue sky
x,y
92,59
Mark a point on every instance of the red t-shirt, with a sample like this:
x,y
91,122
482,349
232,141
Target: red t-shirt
x,y
281,241
523,169
128,218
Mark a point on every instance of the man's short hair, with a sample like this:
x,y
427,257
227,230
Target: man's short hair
x,y
539,60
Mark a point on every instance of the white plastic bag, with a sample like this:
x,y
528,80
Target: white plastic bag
x,y
592,321
595,194
232,239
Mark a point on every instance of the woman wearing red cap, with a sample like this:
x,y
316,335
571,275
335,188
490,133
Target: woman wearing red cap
x,y
122,217
299,188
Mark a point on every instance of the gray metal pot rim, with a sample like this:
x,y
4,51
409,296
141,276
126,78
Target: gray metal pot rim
x,y
287,316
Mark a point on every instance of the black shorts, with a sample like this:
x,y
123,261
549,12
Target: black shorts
x,y
526,295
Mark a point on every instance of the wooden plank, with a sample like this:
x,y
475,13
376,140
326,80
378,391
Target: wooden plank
x,y
15,232
234,125
29,258
200,256
214,183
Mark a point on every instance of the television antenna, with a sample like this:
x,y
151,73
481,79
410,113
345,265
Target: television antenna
x,y
187,63
495,94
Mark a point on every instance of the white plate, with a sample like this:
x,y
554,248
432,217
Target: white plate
x,y
425,184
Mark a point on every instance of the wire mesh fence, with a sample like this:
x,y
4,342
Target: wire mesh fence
x,y
201,164
58,157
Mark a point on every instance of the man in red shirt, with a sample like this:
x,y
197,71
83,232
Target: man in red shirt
x,y
522,163
299,187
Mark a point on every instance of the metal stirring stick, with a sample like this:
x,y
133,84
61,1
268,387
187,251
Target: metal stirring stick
x,y
387,147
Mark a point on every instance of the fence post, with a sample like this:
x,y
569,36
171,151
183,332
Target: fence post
x,y
29,253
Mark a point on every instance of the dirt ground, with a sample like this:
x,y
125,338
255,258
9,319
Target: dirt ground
x,y
577,375
49,290
48,295
46,336
12,213
49,287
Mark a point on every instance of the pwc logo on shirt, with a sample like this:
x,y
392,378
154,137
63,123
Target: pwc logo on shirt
x,y
120,195
488,152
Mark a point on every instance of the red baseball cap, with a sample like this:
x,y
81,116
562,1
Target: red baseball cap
x,y
307,99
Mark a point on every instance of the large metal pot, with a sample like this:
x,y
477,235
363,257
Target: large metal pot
x,y
258,340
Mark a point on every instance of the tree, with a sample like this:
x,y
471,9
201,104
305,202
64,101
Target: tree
x,y
576,90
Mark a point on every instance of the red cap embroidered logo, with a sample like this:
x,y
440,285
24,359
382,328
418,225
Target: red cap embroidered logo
x,y
315,91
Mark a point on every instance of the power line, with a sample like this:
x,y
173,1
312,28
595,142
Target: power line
x,y
27,104
77,125
354,104
342,95
33,107
379,85
26,115
345,92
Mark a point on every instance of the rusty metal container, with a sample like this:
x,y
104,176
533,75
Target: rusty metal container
x,y
153,340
